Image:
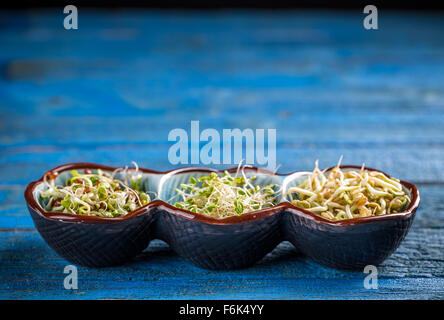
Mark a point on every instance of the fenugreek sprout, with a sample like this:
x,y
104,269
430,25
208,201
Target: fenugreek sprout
x,y
349,194
226,195
96,194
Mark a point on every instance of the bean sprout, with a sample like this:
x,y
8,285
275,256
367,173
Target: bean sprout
x,y
349,194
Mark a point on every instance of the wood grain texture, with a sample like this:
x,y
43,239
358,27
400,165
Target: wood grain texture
x,y
33,269
111,91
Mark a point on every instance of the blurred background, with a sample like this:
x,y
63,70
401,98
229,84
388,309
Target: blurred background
x,y
112,90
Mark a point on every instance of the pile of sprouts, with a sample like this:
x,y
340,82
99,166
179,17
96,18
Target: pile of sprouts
x,y
349,194
226,195
96,194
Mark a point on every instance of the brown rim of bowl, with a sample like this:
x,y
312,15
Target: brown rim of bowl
x,y
253,215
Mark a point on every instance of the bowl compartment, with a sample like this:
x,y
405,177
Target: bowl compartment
x,y
211,243
96,245
343,244
96,242
213,246
347,247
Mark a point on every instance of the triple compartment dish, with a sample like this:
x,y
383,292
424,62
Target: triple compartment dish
x,y
229,243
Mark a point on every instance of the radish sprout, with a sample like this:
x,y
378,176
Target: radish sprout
x,y
222,196
96,194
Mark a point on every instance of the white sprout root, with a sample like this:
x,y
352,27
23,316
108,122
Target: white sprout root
x,y
222,196
349,194
96,194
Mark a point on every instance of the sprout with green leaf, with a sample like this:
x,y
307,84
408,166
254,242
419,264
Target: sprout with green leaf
x,y
97,194
226,195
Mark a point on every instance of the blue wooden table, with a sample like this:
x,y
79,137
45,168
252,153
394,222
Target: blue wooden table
x,y
111,91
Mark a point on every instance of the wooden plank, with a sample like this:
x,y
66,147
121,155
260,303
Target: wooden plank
x,y
34,271
341,27
307,122
183,289
19,166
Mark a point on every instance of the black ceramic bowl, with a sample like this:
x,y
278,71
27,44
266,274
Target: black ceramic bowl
x,y
347,244
229,243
